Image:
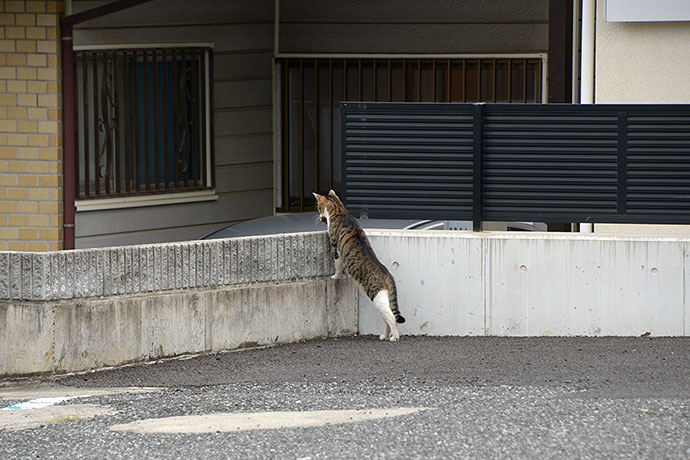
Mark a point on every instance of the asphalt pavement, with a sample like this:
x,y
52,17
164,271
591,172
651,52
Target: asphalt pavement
x,y
423,397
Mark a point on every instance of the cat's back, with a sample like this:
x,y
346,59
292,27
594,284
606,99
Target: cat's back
x,y
359,257
348,234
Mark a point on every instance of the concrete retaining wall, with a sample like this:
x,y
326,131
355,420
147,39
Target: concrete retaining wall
x,y
69,336
85,309
519,284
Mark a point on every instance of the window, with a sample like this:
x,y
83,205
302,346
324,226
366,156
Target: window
x,y
310,131
143,121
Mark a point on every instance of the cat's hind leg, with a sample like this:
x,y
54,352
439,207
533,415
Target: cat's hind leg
x,y
383,304
386,333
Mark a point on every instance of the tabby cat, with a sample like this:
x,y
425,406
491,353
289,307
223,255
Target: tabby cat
x,y
355,256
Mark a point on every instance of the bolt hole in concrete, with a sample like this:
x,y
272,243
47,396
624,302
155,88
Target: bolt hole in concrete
x,y
232,422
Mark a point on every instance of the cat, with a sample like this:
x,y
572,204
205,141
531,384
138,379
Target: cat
x,y
355,256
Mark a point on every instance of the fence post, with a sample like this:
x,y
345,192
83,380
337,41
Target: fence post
x,y
344,107
478,173
622,176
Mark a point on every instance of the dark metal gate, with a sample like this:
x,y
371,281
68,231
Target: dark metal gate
x,y
506,162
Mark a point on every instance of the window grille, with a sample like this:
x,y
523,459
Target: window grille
x,y
143,121
311,131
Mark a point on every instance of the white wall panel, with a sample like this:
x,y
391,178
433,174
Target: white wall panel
x,y
517,284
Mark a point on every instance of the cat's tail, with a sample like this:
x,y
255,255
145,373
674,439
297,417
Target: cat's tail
x,y
393,300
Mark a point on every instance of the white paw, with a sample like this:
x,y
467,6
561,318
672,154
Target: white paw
x,y
383,337
394,338
335,277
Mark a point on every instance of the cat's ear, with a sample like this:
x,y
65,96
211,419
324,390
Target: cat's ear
x,y
317,196
332,194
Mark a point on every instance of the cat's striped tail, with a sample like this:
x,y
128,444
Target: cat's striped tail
x,y
393,301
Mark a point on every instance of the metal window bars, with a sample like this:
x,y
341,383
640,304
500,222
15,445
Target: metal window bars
x,y
142,122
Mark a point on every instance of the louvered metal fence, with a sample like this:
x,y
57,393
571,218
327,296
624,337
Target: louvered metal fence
x,y
506,162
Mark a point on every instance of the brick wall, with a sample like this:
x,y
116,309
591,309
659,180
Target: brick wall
x,y
30,125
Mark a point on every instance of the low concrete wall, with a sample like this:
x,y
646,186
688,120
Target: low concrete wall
x,y
85,309
519,284
69,336
78,310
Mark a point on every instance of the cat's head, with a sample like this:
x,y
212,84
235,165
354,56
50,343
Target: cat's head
x,y
326,205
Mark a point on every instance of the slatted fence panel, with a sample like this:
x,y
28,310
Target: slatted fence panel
x,y
416,162
506,162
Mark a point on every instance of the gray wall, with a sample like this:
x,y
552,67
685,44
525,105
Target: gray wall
x,y
413,26
242,34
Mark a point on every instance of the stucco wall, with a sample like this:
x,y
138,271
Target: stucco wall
x,y
641,62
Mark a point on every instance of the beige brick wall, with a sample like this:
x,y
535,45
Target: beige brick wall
x,y
30,125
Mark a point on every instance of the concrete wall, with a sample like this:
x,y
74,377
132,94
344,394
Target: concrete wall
x,y
77,335
159,268
507,284
84,309
77,310
678,231
242,36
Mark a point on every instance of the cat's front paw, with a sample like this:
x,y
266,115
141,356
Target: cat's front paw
x,y
394,339
336,277
383,337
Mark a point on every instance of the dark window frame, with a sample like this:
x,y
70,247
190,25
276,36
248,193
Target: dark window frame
x,y
143,121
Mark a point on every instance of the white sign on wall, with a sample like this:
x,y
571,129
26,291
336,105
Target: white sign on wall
x,y
647,10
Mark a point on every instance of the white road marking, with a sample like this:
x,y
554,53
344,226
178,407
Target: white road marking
x,y
39,403
21,392
13,420
231,422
